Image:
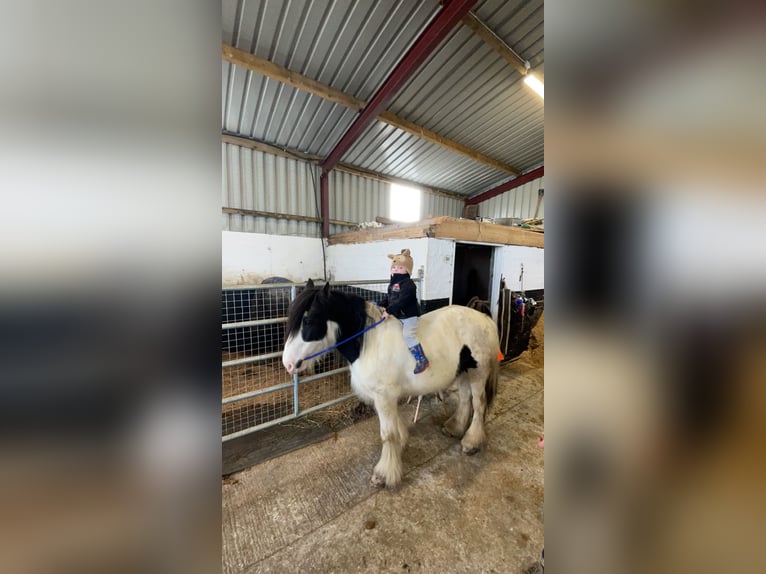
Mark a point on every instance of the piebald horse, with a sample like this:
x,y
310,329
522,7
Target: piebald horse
x,y
461,343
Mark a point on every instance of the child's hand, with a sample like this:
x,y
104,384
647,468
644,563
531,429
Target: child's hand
x,y
385,314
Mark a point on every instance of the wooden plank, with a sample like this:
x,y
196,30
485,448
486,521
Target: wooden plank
x,y
481,232
495,42
286,76
378,234
289,216
433,137
266,148
445,228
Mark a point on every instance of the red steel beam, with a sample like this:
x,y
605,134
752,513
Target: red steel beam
x,y
324,202
507,186
437,30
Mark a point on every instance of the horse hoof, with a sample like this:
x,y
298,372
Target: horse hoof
x,y
471,450
378,481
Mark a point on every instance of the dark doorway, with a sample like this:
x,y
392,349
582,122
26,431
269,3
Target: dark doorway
x,y
473,271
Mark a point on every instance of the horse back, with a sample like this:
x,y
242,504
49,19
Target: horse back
x,y
456,325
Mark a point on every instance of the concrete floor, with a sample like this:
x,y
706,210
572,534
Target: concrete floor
x,y
313,510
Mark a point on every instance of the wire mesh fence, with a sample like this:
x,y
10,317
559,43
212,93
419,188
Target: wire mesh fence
x,y
257,392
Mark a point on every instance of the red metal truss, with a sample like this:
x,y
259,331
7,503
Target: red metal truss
x,y
507,186
431,37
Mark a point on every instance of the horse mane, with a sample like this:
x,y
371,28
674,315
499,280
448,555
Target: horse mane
x,y
348,305
298,308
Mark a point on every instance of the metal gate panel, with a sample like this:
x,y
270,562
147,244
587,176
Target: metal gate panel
x,y
257,392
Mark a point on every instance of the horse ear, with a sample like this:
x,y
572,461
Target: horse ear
x,y
391,256
309,284
405,252
326,289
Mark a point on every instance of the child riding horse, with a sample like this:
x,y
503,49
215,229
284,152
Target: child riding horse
x,y
462,345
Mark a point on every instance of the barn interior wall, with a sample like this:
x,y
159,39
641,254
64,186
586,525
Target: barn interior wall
x,y
440,269
356,199
351,262
259,181
254,180
508,261
519,202
357,261
248,258
257,247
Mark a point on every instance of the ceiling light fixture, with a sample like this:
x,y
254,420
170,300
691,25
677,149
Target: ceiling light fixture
x,y
532,81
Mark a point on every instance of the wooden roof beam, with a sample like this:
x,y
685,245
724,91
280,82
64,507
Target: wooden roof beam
x,y
496,43
300,82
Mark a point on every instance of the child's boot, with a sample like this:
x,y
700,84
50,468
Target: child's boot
x,y
420,357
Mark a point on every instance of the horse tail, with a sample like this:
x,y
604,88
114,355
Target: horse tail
x,y
490,387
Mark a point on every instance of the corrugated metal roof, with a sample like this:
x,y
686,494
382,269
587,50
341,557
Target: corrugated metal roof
x,y
464,91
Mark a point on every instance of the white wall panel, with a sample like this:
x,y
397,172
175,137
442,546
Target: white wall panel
x,y
264,182
248,258
261,181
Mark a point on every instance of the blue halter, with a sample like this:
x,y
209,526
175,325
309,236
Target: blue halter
x,y
336,345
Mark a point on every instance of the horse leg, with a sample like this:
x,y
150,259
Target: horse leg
x,y
457,423
393,434
474,438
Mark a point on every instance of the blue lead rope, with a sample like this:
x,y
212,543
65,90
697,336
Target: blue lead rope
x,y
336,345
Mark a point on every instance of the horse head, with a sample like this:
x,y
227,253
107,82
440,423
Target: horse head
x,y
317,319
309,328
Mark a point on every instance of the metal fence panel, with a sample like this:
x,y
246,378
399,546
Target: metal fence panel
x,y
257,392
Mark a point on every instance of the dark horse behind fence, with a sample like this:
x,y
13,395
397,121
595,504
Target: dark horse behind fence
x,y
461,343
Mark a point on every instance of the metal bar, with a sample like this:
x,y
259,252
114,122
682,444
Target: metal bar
x,y
507,186
254,323
283,419
324,375
253,359
261,426
258,393
260,287
428,41
291,285
364,282
295,394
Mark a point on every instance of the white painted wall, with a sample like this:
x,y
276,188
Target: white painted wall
x,y
248,258
508,260
369,261
440,269
361,261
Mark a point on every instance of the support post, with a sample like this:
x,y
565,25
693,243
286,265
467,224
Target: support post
x,y
325,204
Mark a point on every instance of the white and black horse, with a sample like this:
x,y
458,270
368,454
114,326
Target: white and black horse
x,y
462,345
